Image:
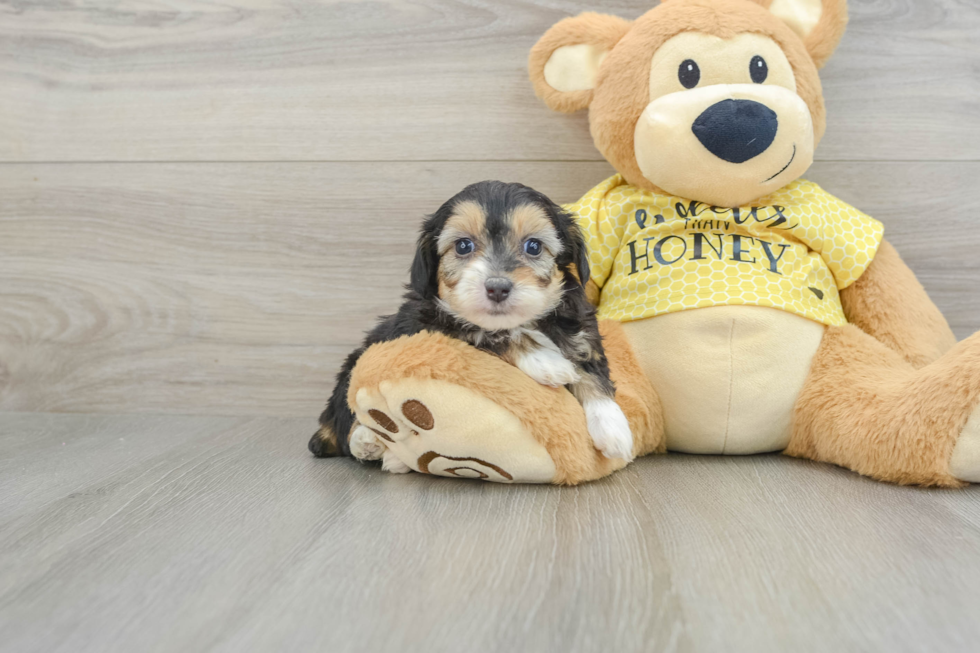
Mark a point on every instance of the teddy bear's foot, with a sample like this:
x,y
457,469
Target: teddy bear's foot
x,y
964,463
443,407
440,428
866,408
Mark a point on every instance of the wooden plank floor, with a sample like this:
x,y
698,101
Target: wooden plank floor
x,y
144,533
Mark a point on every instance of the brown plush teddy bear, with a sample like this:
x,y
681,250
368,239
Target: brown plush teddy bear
x,y
746,310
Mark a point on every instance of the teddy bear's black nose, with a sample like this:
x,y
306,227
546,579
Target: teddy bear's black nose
x,y
736,130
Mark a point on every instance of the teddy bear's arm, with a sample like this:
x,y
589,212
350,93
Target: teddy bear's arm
x,y
889,303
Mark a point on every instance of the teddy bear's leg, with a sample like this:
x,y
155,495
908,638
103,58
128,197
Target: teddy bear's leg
x,y
443,407
865,408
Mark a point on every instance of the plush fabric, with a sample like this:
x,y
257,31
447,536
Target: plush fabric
x,y
964,462
713,369
598,30
692,96
653,254
889,303
487,417
622,84
866,408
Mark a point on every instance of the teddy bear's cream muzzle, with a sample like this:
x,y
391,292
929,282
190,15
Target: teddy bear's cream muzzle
x,y
725,144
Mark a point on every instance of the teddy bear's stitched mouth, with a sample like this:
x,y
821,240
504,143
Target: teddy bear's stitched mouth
x,y
783,169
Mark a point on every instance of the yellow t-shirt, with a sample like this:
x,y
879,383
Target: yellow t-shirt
x,y
793,250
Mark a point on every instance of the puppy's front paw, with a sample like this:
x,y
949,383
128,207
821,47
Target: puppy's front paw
x,y
547,367
392,464
365,445
609,428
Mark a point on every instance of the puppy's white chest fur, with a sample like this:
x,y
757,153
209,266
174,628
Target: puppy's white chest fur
x,y
544,362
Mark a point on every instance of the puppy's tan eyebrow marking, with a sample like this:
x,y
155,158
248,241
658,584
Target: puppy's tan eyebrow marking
x,y
468,219
529,220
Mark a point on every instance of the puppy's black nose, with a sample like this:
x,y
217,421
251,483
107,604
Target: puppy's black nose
x,y
498,288
736,130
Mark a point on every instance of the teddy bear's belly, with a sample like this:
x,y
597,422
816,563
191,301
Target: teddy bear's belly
x,y
728,376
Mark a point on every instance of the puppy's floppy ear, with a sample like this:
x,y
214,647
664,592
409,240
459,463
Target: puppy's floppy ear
x,y
580,254
423,278
564,63
575,252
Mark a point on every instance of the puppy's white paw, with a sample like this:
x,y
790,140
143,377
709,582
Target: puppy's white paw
x,y
609,428
392,464
365,445
547,367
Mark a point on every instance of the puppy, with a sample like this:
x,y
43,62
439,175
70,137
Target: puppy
x,y
501,267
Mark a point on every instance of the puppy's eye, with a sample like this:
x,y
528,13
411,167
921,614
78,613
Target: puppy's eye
x,y
532,247
689,74
464,246
758,69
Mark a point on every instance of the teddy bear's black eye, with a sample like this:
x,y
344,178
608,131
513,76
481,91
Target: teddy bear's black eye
x,y
464,246
689,74
532,246
758,69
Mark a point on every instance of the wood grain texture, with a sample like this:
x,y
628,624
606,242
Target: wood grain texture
x,y
276,158
239,288
192,534
410,81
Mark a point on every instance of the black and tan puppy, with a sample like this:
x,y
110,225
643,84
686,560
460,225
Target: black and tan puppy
x,y
501,267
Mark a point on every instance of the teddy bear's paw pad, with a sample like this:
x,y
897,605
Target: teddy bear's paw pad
x,y
415,412
964,463
364,443
374,414
440,428
609,428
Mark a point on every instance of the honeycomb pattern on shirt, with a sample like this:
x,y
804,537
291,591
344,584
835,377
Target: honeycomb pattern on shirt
x,y
792,250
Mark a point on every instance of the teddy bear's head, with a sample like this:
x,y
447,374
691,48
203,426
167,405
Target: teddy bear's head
x,y
712,100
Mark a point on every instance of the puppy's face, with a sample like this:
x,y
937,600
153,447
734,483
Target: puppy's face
x,y
498,265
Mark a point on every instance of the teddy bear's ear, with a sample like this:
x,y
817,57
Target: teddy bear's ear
x,y
820,23
565,62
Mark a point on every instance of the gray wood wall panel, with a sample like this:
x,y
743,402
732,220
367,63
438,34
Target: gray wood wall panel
x,y
203,205
222,534
238,287
410,81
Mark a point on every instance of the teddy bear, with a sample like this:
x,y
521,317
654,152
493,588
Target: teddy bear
x,y
744,309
